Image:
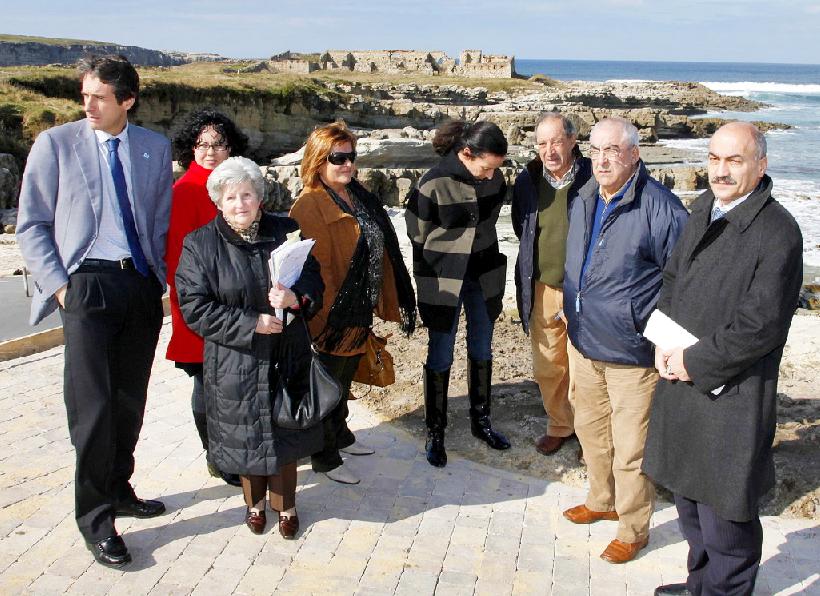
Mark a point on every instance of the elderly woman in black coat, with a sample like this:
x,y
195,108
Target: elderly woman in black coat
x,y
224,289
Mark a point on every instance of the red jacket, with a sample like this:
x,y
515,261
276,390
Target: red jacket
x,y
191,208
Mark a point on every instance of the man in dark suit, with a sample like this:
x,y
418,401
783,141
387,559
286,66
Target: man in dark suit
x,y
92,220
733,282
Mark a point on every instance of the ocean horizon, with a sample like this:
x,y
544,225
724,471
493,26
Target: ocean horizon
x,y
792,95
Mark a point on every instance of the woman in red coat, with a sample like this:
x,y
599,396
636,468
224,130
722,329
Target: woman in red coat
x,y
204,140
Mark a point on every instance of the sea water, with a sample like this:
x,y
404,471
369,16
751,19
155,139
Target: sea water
x,y
792,92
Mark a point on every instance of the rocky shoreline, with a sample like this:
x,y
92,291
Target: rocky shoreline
x,y
394,117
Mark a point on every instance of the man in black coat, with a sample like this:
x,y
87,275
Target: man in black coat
x,y
733,282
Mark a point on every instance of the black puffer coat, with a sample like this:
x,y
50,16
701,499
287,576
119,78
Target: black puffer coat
x,y
222,283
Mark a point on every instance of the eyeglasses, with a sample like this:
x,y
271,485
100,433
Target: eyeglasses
x,y
610,152
338,158
217,147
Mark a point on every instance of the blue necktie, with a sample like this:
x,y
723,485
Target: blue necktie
x,y
115,165
717,213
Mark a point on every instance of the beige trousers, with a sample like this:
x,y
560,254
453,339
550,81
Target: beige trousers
x,y
550,362
611,416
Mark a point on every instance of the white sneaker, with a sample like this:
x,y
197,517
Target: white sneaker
x,y
342,475
358,449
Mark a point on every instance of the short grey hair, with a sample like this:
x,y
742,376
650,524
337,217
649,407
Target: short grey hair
x,y
569,126
629,129
760,142
232,171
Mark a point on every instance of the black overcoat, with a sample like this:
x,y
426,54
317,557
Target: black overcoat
x,y
733,284
222,283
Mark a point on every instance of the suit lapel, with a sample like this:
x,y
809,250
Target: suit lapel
x,y
140,161
140,168
87,152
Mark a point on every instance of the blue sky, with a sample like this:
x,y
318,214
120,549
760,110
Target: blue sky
x,y
698,30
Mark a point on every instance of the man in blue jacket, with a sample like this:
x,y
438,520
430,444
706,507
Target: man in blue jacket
x,y
621,234
542,197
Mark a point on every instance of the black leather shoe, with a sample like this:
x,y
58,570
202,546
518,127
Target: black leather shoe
x,y
110,552
676,589
485,432
436,455
139,508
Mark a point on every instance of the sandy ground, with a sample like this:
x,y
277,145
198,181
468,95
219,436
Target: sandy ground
x,y
518,412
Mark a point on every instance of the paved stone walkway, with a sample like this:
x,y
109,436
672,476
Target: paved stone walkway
x,y
406,529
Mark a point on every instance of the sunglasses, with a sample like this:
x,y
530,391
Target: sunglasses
x,y
338,158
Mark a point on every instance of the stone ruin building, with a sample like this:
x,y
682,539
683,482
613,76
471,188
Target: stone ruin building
x,y
471,63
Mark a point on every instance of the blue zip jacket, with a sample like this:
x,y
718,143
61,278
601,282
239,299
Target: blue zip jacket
x,y
623,277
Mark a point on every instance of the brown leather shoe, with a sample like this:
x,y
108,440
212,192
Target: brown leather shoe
x,y
255,521
547,445
621,552
582,515
288,526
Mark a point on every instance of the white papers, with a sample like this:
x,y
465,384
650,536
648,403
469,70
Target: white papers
x,y
286,263
287,260
668,335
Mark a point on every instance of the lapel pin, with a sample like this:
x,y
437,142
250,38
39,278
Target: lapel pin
x,y
145,155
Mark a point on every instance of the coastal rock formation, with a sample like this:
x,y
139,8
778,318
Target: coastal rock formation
x,y
279,123
391,161
34,53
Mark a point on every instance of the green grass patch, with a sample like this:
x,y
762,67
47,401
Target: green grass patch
x,y
51,41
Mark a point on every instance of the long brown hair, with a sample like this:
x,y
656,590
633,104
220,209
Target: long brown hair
x,y
318,147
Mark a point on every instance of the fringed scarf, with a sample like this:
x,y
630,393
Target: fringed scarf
x,y
351,314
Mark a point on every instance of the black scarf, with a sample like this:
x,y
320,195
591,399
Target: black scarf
x,y
351,314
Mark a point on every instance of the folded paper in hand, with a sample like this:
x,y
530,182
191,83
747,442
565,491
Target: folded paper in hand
x,y
286,263
287,260
668,335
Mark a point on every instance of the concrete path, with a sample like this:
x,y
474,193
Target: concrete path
x,y
15,308
406,529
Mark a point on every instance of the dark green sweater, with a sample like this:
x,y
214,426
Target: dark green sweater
x,y
551,239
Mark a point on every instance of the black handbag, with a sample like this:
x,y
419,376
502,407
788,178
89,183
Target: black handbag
x,y
303,395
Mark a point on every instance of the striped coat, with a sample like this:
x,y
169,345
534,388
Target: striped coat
x,y
451,219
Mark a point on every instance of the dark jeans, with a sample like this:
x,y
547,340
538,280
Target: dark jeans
x,y
111,324
723,555
440,344
336,433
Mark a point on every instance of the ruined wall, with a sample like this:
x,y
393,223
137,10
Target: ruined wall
x,y
294,66
476,64
473,63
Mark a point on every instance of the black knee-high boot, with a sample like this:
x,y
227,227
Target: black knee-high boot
x,y
479,386
435,414
201,423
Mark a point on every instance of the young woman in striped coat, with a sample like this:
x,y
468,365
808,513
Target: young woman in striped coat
x,y
451,218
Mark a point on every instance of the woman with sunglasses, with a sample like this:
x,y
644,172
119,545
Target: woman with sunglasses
x,y
363,272
205,139
451,218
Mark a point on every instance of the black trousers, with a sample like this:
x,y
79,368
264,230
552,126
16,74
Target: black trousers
x,y
336,433
111,324
724,555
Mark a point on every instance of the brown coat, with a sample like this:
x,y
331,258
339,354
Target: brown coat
x,y
336,234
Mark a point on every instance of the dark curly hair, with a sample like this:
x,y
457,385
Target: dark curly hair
x,y
187,133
